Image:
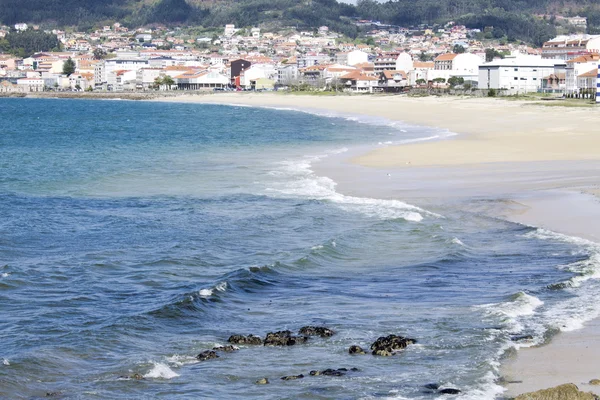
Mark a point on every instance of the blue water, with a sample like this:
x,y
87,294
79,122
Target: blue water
x,y
135,235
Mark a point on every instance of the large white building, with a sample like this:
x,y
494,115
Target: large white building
x,y
107,72
517,75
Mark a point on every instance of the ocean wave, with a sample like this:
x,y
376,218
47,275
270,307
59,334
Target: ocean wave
x,y
513,314
5,362
161,371
219,287
301,181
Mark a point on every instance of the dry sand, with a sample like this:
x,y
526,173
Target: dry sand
x,y
540,163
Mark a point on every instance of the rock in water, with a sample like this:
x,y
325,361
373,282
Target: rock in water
x,y
563,392
354,349
316,331
386,345
207,355
594,382
240,339
449,391
292,377
226,349
263,381
283,338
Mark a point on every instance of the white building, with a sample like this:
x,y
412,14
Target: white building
x,y
105,72
230,30
517,75
404,62
21,27
567,47
357,57
578,66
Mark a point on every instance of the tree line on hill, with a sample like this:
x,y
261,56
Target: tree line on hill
x,y
510,19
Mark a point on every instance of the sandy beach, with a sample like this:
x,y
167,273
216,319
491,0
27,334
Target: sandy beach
x,y
516,160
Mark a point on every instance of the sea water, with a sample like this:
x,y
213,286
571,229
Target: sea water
x,y
135,235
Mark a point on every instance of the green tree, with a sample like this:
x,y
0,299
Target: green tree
x,y
69,67
455,81
439,80
99,54
458,49
421,81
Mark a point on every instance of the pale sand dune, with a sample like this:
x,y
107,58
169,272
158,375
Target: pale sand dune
x,y
535,159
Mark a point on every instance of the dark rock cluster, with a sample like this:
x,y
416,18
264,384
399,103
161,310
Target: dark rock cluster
x,y
283,338
207,355
388,345
240,339
316,331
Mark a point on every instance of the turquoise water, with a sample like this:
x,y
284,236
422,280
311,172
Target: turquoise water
x,y
135,235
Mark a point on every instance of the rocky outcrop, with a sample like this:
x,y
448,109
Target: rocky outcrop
x,y
283,338
207,355
388,345
563,392
240,339
316,331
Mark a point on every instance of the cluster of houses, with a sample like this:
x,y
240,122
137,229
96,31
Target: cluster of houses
x,y
253,60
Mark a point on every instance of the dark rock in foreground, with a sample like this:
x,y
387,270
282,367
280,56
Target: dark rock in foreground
x,y
563,392
240,339
387,345
283,338
316,331
354,349
292,377
207,355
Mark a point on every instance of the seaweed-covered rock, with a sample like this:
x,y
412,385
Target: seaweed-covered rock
x,y
594,382
292,377
567,391
316,331
226,349
262,381
241,339
354,349
207,355
387,345
315,373
283,338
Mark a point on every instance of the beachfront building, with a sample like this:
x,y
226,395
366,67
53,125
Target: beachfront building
x,y
568,47
359,82
578,66
587,82
106,76
517,75
386,62
201,80
393,81
420,72
30,84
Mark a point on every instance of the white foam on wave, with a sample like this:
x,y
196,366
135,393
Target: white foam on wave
x,y
5,274
181,360
512,312
5,362
301,181
207,292
572,314
457,241
161,371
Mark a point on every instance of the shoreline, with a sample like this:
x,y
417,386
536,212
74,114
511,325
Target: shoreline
x,y
536,162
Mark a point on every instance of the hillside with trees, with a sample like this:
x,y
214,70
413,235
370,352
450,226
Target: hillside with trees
x,y
511,19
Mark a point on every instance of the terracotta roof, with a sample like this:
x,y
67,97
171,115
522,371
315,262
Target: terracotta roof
x,y
590,74
390,74
420,64
585,58
446,57
358,76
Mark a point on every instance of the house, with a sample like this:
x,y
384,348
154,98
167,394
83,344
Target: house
x,y
359,82
518,74
31,84
554,83
577,66
421,71
444,62
237,66
393,81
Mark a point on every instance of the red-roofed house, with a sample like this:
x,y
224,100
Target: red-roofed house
x,y
358,81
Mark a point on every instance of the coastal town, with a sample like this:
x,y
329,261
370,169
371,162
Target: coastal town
x,y
388,59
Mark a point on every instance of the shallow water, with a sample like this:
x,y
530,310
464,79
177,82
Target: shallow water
x,y
136,235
